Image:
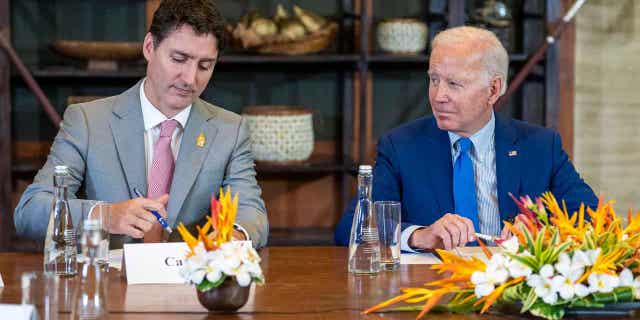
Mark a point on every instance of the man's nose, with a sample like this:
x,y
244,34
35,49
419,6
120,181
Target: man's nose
x,y
189,73
441,93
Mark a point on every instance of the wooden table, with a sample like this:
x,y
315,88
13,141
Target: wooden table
x,y
301,283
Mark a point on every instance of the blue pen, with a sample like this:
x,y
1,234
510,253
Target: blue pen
x,y
162,220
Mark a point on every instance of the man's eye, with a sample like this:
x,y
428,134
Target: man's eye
x,y
178,59
454,84
205,67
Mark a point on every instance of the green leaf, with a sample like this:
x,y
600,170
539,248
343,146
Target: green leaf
x,y
527,261
551,312
409,308
586,302
529,301
620,294
513,293
206,285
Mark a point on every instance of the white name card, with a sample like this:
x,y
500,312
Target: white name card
x,y
154,263
18,312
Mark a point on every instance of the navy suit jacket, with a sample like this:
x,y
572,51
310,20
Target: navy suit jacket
x,y
414,166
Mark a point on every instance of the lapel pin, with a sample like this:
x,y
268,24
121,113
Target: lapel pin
x,y
513,153
201,140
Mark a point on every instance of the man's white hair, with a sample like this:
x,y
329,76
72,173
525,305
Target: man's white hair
x,y
494,57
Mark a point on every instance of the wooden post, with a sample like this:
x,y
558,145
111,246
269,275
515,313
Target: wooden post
x,y
6,215
151,7
566,69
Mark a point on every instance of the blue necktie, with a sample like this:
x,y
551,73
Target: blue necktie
x,y
464,185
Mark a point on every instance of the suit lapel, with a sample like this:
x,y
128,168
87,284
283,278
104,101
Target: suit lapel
x,y
507,166
438,152
127,127
190,157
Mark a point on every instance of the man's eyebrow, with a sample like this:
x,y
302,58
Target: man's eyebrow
x,y
188,56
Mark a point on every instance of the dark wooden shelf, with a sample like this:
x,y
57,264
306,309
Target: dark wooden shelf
x,y
283,59
422,58
317,165
301,237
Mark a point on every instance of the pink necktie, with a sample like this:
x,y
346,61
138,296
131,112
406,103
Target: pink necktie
x,y
161,173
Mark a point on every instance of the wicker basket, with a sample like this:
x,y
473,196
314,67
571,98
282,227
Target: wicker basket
x,y
280,133
311,43
402,36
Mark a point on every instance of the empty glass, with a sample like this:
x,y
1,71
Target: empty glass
x,y
388,215
99,214
90,296
40,289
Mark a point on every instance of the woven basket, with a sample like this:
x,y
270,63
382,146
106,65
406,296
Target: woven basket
x,y
280,133
312,43
402,36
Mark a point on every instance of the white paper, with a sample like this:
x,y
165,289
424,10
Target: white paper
x,y
154,263
18,311
468,252
419,258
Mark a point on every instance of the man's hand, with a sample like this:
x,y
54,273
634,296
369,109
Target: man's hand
x,y
448,232
134,218
237,235
506,232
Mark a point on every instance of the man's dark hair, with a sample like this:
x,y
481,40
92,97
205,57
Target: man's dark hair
x,y
202,15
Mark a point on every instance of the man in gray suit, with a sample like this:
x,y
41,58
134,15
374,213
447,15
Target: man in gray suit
x,y
114,145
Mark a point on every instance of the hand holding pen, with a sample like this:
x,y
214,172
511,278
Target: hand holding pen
x,y
155,213
133,217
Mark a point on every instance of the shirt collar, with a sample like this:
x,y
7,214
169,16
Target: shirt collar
x,y
153,117
482,139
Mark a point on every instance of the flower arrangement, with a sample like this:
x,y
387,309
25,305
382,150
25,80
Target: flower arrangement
x,y
213,256
554,261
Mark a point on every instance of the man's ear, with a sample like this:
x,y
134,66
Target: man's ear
x,y
147,46
495,90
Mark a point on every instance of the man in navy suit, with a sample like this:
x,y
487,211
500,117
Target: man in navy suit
x,y
453,171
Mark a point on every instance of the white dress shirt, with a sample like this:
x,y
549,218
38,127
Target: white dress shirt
x,y
483,157
152,119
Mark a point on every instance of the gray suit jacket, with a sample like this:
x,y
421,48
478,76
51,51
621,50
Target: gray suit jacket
x,y
102,143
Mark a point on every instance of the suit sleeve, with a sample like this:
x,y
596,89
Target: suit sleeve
x,y
240,175
566,183
386,186
69,148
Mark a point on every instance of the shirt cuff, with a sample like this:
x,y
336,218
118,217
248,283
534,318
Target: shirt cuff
x,y
404,238
241,229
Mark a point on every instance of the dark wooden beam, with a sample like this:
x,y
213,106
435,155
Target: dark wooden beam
x,y
6,215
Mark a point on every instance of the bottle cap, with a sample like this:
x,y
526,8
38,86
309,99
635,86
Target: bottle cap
x,y
61,169
365,168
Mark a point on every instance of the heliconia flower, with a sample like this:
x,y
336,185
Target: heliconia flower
x,y
543,285
603,282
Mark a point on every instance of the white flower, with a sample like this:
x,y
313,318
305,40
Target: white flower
x,y
236,259
636,286
496,273
570,271
511,245
543,285
517,269
603,282
626,278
